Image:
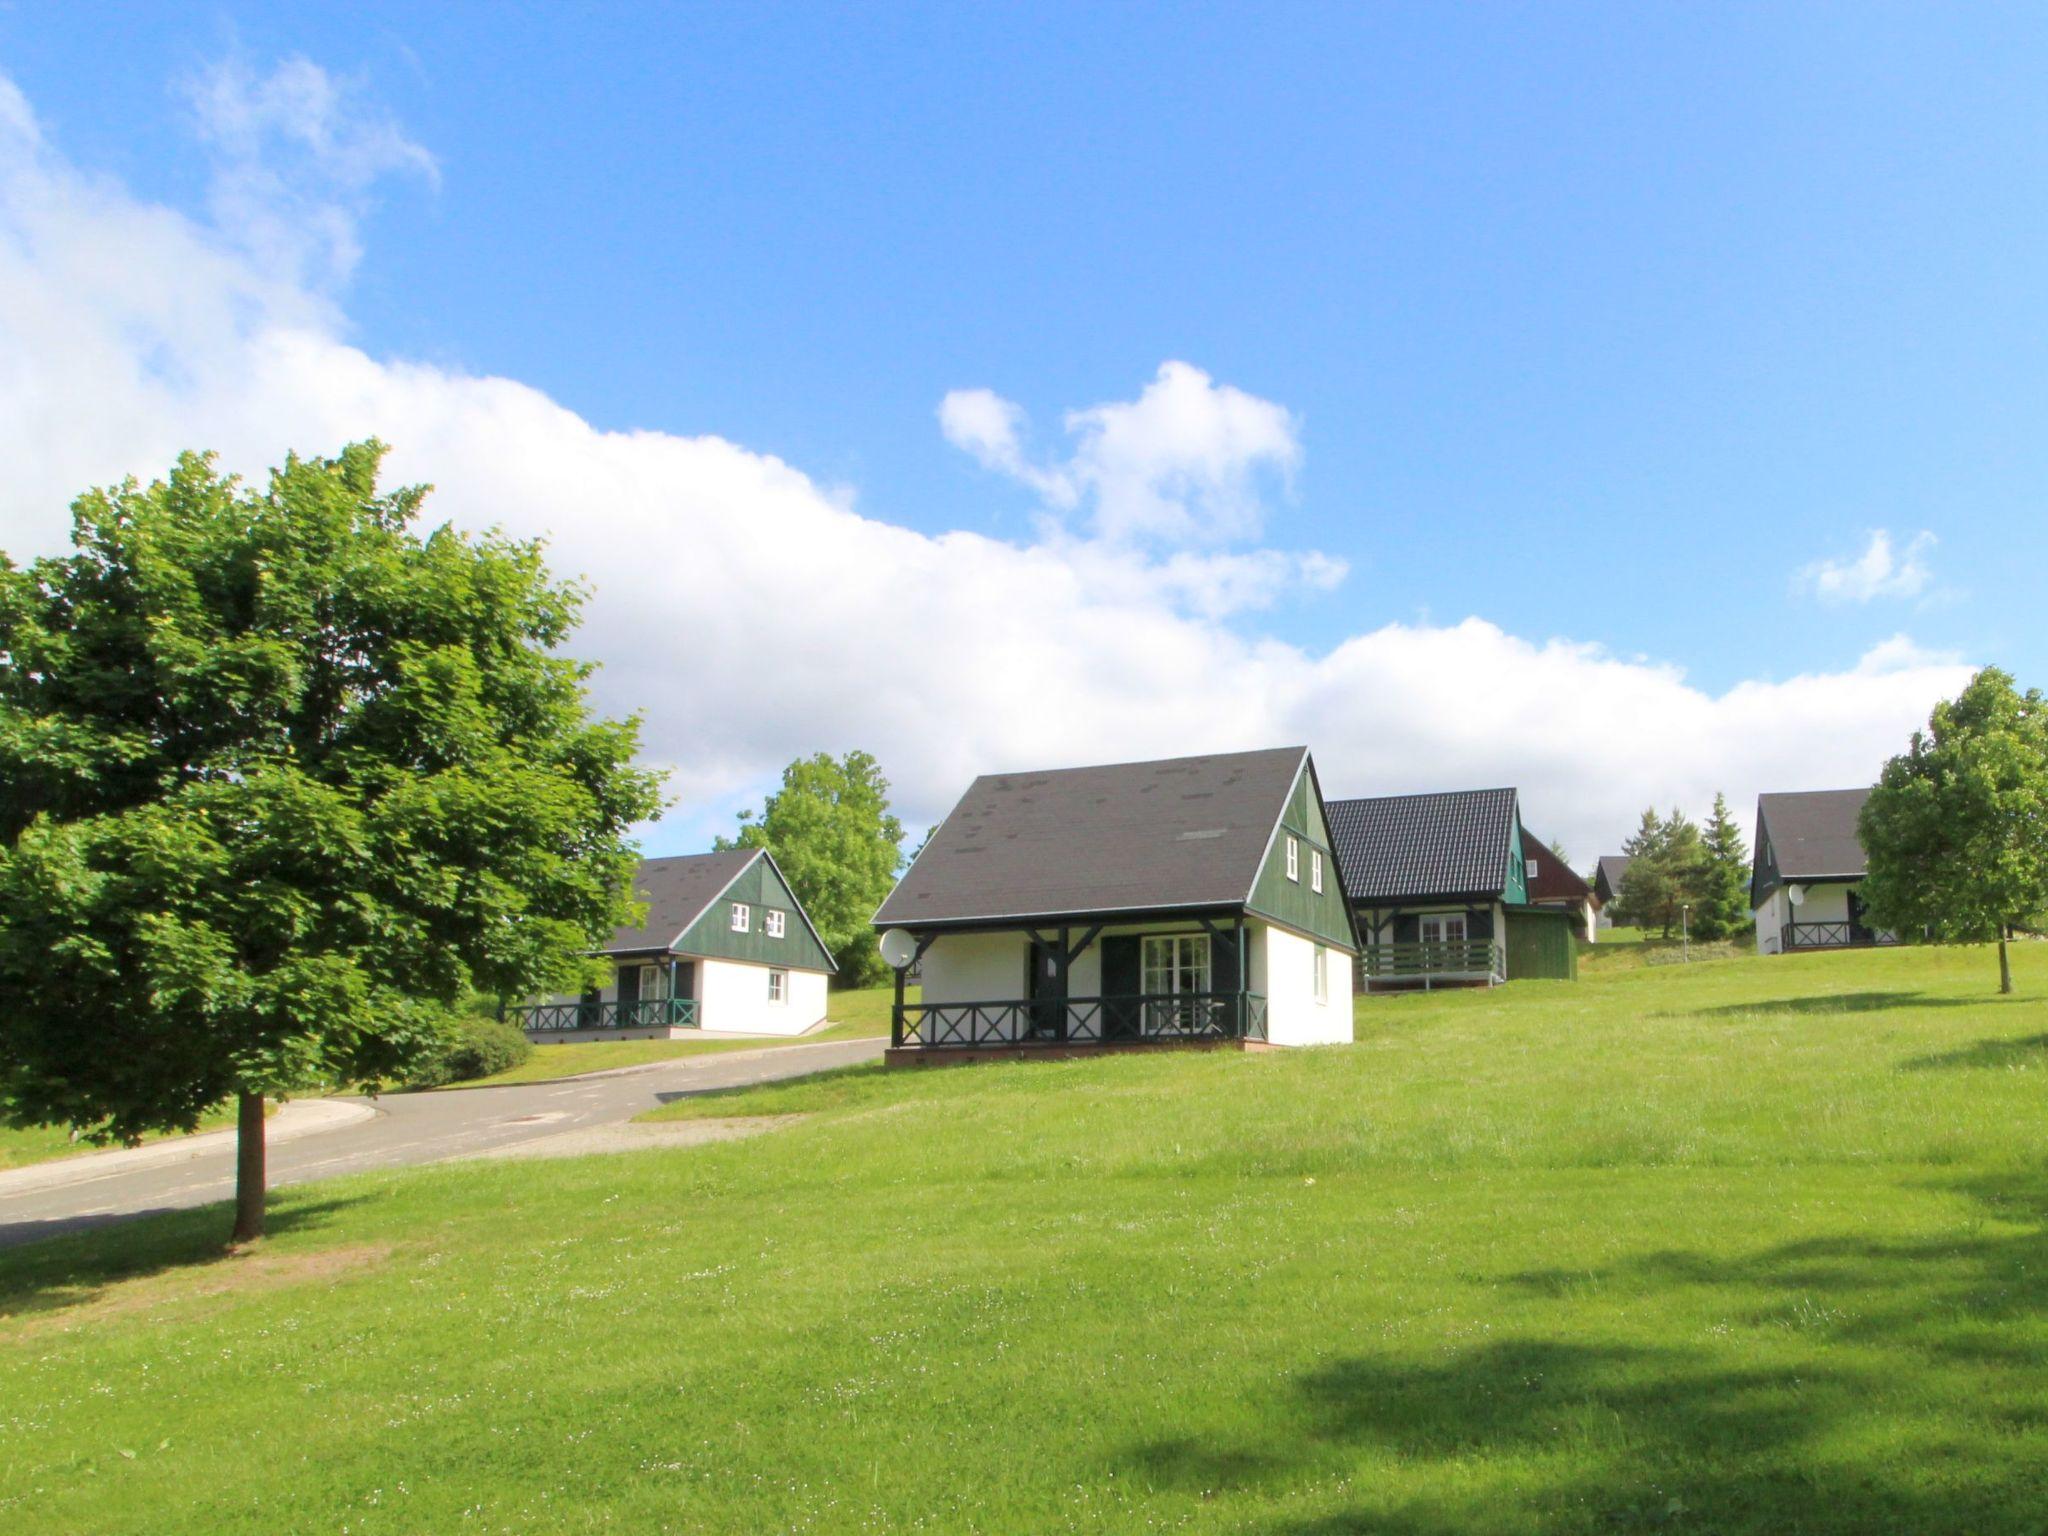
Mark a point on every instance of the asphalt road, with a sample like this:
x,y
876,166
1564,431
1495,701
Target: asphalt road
x,y
407,1129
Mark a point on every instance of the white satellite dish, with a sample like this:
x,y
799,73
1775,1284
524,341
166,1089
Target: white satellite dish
x,y
899,947
1797,893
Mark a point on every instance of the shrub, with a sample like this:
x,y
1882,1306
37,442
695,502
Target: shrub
x,y
475,1048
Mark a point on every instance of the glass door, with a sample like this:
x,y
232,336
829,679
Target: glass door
x,y
1176,977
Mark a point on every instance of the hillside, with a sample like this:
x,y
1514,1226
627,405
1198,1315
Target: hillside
x,y
1740,1246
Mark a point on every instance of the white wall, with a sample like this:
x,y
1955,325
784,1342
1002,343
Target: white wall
x,y
978,968
1770,922
1283,967
733,995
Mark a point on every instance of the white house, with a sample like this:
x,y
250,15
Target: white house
x,y
1808,862
725,946
1193,901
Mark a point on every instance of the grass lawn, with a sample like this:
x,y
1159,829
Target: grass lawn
x,y
41,1144
854,1015
1751,1245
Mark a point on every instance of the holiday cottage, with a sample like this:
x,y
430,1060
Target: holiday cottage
x,y
1808,863
725,946
1192,901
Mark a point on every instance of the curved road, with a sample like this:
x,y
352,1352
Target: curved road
x,y
405,1129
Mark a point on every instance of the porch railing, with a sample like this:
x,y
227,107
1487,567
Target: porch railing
x,y
1446,960
645,1013
1082,1020
1841,935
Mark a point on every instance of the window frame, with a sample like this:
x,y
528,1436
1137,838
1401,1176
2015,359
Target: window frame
x,y
1294,858
774,922
1322,973
1443,920
1315,870
778,985
742,917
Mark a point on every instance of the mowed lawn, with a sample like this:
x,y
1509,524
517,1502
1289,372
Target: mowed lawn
x,y
1742,1246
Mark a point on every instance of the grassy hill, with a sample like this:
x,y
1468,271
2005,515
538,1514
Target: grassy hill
x,y
1739,1246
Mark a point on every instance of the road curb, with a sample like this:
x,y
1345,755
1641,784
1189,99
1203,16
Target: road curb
x,y
298,1118
674,1063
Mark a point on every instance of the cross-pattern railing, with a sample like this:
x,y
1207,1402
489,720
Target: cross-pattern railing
x,y
1834,935
1083,1020
644,1013
1441,960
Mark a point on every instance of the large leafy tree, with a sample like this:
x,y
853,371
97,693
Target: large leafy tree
x,y
281,781
831,831
1956,831
1723,896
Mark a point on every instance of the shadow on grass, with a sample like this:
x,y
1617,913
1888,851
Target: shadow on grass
x,y
1866,1384
63,1263
2026,1051
1836,1002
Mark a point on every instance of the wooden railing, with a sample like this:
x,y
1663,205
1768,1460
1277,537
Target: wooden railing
x,y
1082,1020
646,1013
1842,935
1450,960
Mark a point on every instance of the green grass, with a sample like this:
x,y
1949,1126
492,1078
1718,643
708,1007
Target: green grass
x,y
855,1015
21,1146
1744,1246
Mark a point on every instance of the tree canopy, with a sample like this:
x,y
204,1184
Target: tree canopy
x,y
839,846
282,781
1678,875
1955,833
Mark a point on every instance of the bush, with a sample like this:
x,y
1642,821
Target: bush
x,y
475,1048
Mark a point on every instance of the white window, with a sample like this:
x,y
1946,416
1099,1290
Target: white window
x,y
1530,871
742,917
778,986
1443,928
1293,860
1315,869
1176,974
1322,973
777,921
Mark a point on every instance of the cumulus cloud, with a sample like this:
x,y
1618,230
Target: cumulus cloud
x,y
1879,571
1187,462
752,614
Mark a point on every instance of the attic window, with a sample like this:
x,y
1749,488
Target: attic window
x,y
742,917
777,920
1315,869
1294,860
1530,869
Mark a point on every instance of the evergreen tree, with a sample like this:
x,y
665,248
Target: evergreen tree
x,y
1723,904
1666,872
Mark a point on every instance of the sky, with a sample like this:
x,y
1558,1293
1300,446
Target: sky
x,y
1624,403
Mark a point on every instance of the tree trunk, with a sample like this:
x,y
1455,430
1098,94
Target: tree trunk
x,y
2004,961
249,1168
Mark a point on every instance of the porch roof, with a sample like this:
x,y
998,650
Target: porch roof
x,y
1187,833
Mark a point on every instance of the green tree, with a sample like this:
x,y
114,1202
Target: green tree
x,y
1723,896
831,830
1956,831
282,782
1665,872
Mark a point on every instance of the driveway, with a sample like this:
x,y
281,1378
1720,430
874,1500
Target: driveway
x,y
402,1130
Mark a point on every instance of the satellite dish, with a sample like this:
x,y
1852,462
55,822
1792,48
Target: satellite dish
x,y
1797,893
899,947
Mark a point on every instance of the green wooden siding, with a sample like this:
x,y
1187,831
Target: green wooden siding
x,y
1295,903
1517,889
760,888
1542,944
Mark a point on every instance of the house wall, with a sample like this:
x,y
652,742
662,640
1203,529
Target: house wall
x,y
990,968
1770,922
1283,968
733,995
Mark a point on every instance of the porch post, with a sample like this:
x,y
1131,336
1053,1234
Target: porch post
x,y
896,1013
1066,959
1244,981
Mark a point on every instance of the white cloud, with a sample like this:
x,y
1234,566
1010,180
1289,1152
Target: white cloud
x,y
295,153
753,614
1879,571
1184,463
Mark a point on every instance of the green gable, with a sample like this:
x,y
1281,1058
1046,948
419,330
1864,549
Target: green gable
x,y
1516,892
760,886
1296,903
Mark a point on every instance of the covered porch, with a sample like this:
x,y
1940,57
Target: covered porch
x,y
1075,990
1424,964
648,997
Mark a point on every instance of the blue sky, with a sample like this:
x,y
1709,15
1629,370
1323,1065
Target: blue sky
x,y
1608,325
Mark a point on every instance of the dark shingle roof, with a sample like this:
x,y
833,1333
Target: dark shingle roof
x,y
1393,847
1554,879
1813,832
1612,867
676,890
1187,832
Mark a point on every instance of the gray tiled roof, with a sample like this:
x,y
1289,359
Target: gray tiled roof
x,y
1186,832
1396,847
1612,867
676,890
1813,832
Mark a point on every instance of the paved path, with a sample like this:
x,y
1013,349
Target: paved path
x,y
404,1129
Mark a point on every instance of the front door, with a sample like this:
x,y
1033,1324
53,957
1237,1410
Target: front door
x,y
1046,1011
